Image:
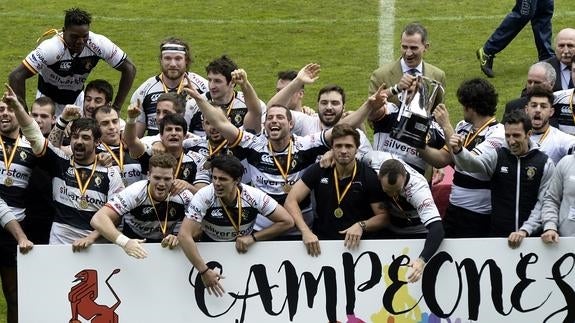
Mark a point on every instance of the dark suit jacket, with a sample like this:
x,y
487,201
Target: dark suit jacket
x,y
557,66
391,73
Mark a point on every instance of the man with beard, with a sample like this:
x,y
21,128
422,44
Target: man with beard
x,y
348,196
111,143
16,165
175,61
80,185
149,211
243,108
519,174
276,158
330,109
64,62
552,141
189,173
226,210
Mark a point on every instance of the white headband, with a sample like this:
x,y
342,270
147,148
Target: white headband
x,y
174,49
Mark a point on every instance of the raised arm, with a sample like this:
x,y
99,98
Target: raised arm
x,y
439,158
307,75
253,118
17,80
29,127
215,116
70,113
469,162
128,71
135,146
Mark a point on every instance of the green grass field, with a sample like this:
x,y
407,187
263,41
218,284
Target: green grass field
x,y
264,37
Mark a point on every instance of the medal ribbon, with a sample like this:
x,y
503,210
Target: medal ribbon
x,y
289,157
166,90
163,227
336,180
469,140
118,159
177,172
236,225
8,159
83,186
217,150
544,135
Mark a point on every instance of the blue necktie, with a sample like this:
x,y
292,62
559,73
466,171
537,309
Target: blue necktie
x,y
413,71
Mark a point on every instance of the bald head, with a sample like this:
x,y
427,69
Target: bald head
x,y
565,45
541,73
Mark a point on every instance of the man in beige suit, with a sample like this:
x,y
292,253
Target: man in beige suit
x,y
399,75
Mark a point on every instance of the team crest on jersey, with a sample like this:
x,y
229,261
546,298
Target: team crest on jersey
x,y
293,163
531,171
238,118
97,180
65,66
186,172
88,64
172,212
23,155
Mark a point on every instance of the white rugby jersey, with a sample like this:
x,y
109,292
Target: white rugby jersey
x,y
414,207
191,169
135,206
69,207
382,140
132,171
149,92
471,191
308,124
61,74
236,111
563,105
556,144
266,176
13,181
207,210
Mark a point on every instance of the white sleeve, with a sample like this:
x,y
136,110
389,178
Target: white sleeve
x,y
116,184
45,54
106,49
199,204
422,201
264,203
126,200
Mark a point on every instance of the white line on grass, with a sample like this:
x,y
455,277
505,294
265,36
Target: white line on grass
x,y
564,14
386,28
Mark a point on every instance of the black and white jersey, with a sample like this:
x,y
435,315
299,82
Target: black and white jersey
x,y
563,105
556,143
191,169
72,207
132,171
14,180
471,191
413,208
149,92
382,140
309,124
236,111
207,209
145,220
61,74
266,176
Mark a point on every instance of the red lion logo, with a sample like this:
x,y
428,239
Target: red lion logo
x,y
82,298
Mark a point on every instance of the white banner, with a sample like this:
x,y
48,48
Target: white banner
x,y
478,280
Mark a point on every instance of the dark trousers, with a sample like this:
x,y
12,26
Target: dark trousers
x,y
539,12
462,223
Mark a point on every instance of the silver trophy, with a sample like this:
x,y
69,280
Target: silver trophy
x,y
416,111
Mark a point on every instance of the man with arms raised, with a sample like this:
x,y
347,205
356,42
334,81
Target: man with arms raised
x,y
151,213
175,61
64,62
277,159
243,108
348,196
226,210
80,185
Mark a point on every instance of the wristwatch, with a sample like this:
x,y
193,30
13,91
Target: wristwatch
x,y
363,226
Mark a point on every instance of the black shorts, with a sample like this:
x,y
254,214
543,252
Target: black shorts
x,y
8,246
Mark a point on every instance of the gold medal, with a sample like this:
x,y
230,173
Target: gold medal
x,y
84,203
286,187
284,172
8,181
338,212
8,158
